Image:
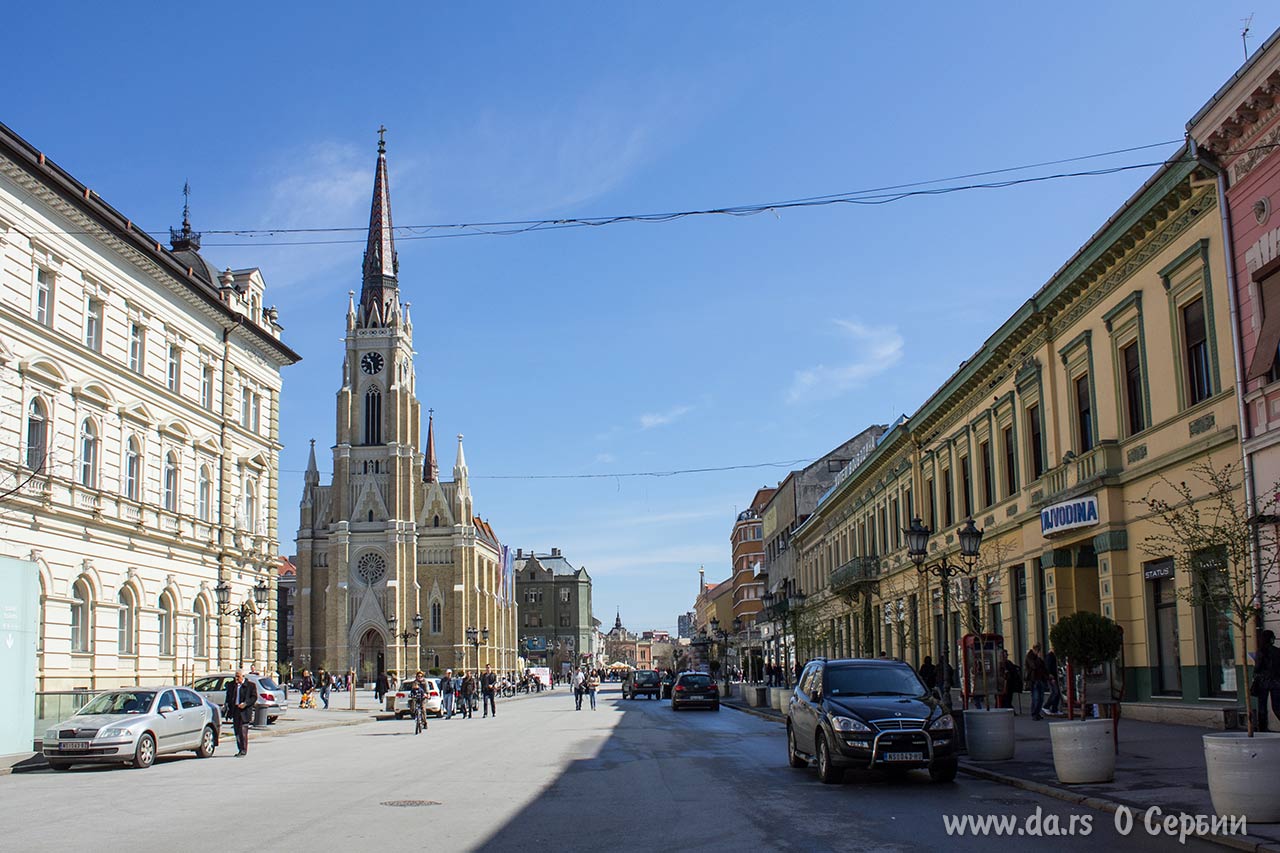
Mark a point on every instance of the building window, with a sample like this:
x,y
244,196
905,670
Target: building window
x,y
1084,414
533,620
1133,388
88,454
966,486
373,416
81,608
1035,437
37,435
171,482
204,494
133,470
93,324
988,475
948,498
1197,344
251,504
565,595
564,621
165,626
1010,463
174,374
437,618
137,347
206,386
127,629
933,505
200,630
44,297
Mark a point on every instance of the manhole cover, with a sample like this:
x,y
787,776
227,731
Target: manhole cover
x,y
405,804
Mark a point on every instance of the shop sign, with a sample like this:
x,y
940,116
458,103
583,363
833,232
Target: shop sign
x,y
1068,515
1158,571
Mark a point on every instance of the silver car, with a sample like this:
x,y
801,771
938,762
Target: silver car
x,y
132,726
270,695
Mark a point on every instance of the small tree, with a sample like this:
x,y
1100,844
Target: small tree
x,y
1086,639
1229,554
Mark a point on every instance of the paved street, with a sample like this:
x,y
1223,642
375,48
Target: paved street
x,y
630,776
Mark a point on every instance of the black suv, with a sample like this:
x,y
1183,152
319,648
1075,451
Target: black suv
x,y
641,682
869,714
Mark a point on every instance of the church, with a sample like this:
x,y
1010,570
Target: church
x,y
395,569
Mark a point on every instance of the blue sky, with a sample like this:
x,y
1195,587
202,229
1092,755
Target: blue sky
x,y
711,341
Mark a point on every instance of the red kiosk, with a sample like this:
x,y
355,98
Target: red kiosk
x,y
980,672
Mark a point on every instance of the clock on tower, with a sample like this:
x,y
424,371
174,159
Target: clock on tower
x,y
371,363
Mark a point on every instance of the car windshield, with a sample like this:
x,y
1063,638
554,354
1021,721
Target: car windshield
x,y
124,702
872,681
213,682
695,681
647,677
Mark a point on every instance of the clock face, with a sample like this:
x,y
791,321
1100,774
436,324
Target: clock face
x,y
371,363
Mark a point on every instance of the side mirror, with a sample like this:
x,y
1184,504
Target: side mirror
x,y
167,709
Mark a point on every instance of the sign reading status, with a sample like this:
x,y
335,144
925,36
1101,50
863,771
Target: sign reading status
x,y
1068,515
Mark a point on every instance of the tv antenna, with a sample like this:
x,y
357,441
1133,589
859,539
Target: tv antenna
x,y
1244,34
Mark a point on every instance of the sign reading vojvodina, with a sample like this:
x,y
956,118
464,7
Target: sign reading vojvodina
x,y
1068,515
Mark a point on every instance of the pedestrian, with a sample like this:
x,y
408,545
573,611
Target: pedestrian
x,y
1266,678
307,686
1053,704
929,673
380,687
468,692
1012,680
591,684
577,679
489,690
1035,674
446,694
241,697
326,686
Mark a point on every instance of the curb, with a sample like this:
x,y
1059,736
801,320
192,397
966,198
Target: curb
x,y
753,712
1248,843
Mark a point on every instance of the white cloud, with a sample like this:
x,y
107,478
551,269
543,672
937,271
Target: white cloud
x,y
657,419
875,350
605,458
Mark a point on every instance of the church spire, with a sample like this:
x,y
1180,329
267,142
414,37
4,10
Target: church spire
x,y
312,476
378,294
430,468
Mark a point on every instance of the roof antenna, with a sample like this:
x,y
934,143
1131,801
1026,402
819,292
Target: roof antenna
x,y
1244,34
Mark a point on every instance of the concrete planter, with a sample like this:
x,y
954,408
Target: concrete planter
x,y
1083,751
989,734
1244,774
778,698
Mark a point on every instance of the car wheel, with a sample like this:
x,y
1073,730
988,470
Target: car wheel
x,y
943,771
715,707
675,707
54,764
145,754
207,745
828,774
794,758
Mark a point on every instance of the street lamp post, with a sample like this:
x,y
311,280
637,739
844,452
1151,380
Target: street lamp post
x,y
242,612
405,636
476,636
917,548
794,602
724,638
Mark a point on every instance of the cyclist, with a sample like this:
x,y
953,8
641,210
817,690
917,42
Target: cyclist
x,y
418,702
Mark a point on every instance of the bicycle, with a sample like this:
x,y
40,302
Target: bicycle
x,y
506,691
419,716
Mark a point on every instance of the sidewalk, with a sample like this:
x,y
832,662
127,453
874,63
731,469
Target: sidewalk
x,y
1159,765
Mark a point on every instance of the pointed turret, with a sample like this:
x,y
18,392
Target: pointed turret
x,y
312,477
430,468
460,467
378,296
462,487
617,622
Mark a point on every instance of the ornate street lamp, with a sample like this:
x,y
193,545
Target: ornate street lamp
x,y
917,549
476,637
242,612
405,636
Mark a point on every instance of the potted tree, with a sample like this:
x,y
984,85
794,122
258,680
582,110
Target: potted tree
x,y
1229,558
1084,750
988,731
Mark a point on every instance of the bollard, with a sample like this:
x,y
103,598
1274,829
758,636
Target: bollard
x,y
351,679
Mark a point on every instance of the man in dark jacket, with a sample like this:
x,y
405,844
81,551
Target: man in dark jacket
x,y
241,697
489,690
380,686
1267,676
446,694
467,690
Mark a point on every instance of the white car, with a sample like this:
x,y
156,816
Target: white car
x,y
132,726
400,699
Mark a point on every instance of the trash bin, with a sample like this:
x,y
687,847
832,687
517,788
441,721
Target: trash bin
x,y
260,715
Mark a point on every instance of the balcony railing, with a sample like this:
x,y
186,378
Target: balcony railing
x,y
858,571
1102,461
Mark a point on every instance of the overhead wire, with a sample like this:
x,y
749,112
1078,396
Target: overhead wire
x,y
671,473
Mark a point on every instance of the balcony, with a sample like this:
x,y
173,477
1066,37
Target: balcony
x,y
855,573
1080,473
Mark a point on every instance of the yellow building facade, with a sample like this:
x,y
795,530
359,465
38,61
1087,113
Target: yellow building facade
x,y
1116,373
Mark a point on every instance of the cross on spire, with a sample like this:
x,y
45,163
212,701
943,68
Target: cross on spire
x,y
382,139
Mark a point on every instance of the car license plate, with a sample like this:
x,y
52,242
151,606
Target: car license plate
x,y
904,756
67,745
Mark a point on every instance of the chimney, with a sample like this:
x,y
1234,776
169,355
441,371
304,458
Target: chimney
x,y
555,552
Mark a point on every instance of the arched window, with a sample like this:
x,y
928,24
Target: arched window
x,y
81,613
373,415
246,641
127,631
165,626
133,470
437,618
171,481
89,454
251,503
435,521
200,630
204,493
37,434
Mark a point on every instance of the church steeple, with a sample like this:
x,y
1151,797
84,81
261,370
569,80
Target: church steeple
x,y
430,468
312,477
378,295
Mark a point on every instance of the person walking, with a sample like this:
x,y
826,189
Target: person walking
x,y
446,694
326,685
578,679
380,687
1053,703
929,673
489,691
591,685
241,697
1037,676
1266,679
1012,679
468,691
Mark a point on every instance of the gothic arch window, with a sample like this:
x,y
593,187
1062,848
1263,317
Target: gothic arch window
x,y
171,481
200,630
89,443
133,469
435,521
371,568
81,616
37,434
437,618
373,415
127,630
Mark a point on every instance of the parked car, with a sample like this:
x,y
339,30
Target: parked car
x,y
694,689
870,714
400,699
270,695
641,682
133,726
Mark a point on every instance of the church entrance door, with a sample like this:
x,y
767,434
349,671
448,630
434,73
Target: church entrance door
x,y
372,660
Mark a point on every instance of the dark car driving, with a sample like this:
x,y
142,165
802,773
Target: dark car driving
x,y
641,682
868,714
694,689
